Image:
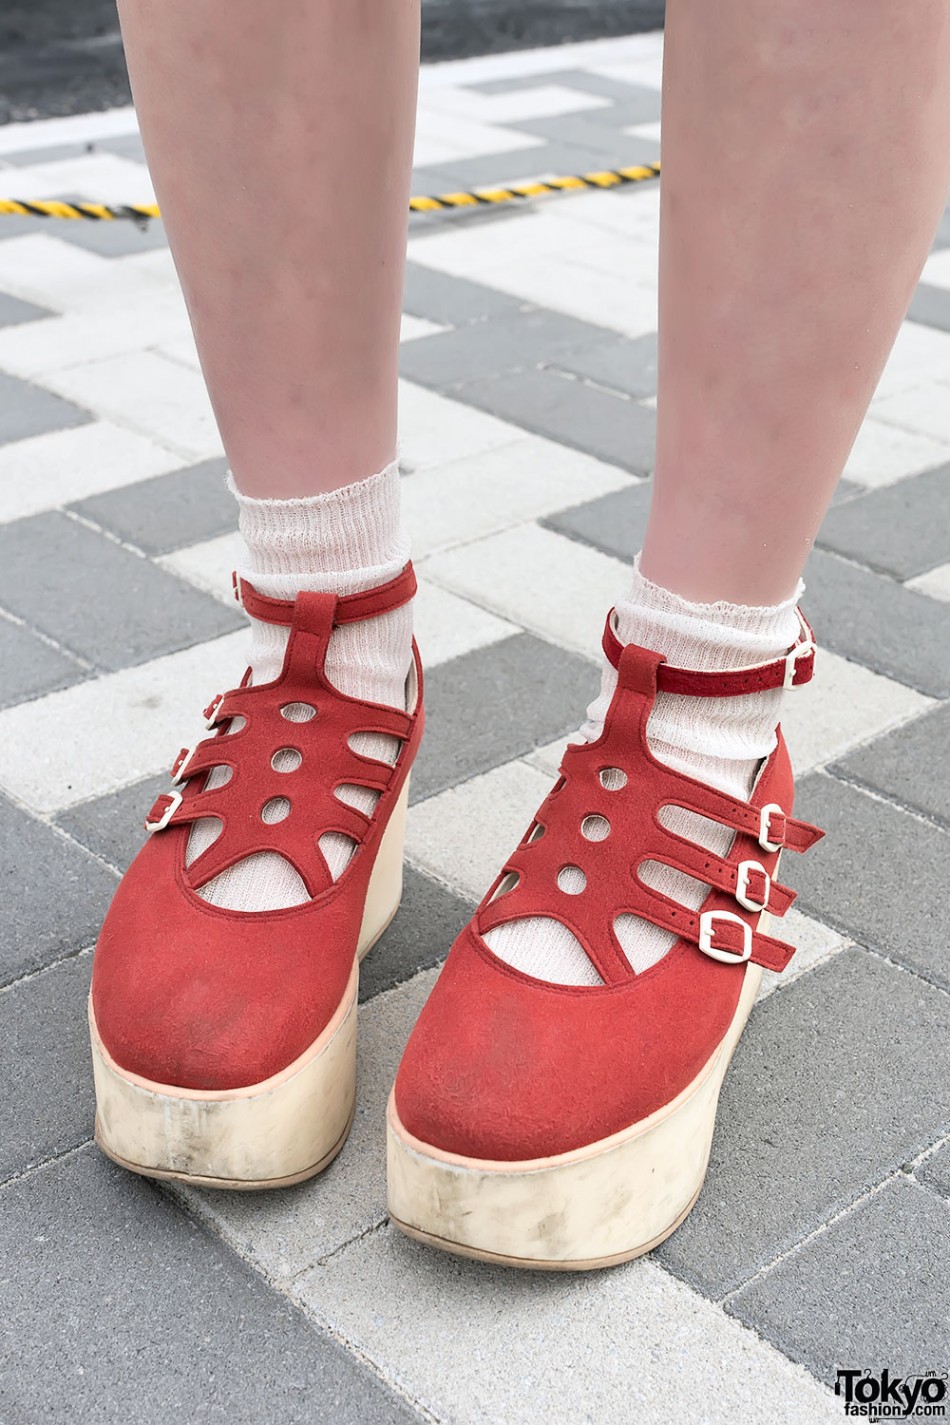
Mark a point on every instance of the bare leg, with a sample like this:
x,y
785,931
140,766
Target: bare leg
x,y
806,160
281,149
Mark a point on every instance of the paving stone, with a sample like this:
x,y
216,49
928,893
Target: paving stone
x,y
283,1233
30,666
891,629
930,305
168,512
491,348
112,826
919,354
935,583
609,146
883,453
122,726
447,626
583,80
614,524
429,919
814,944
495,704
902,530
125,145
116,239
869,1292
935,1172
52,153
880,875
436,430
451,301
26,410
909,765
49,1105
615,362
572,412
51,470
54,894
942,236
792,1148
924,407
98,599
494,170
123,1310
486,1344
13,312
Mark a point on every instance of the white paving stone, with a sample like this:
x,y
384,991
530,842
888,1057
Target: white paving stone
x,y
435,430
96,177
469,498
937,268
445,138
552,585
643,48
42,268
463,835
645,131
481,1345
76,128
883,454
924,407
544,101
814,943
102,735
843,706
411,328
55,469
920,352
149,394
935,583
209,565
283,1233
32,349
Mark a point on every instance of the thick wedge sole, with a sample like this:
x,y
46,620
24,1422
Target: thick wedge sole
x,y
597,1206
272,1134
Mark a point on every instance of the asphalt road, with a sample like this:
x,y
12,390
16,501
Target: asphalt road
x,y
65,56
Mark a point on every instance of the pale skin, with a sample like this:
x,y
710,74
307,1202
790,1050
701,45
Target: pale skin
x,y
806,161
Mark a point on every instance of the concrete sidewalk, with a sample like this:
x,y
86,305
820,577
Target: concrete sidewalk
x,y
821,1240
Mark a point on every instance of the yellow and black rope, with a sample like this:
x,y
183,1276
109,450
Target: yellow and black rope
x,y
476,198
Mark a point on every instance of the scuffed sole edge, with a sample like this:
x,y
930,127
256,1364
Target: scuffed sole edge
x,y
547,1214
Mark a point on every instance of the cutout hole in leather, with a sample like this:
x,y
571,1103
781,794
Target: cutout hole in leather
x,y
595,828
298,712
571,880
507,883
235,725
612,779
535,834
687,890
275,810
218,777
286,759
377,746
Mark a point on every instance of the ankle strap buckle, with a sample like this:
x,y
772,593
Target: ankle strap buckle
x,y
707,932
751,872
804,650
172,802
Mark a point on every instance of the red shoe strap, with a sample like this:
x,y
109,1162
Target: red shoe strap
x,y
792,671
349,607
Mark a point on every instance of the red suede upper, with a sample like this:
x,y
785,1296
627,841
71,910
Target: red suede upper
x,y
188,994
504,1067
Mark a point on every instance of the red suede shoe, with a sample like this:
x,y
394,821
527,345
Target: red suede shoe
x,y
224,1042
557,1126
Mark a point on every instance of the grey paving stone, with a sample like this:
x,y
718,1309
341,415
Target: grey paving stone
x,y
27,410
838,1080
490,348
617,362
169,511
428,920
935,1172
52,153
125,145
608,146
113,826
452,301
116,239
614,523
54,894
901,529
571,412
910,765
14,311
495,169
942,236
880,874
870,1292
584,81
49,1105
100,600
497,703
930,306
31,667
125,1311
876,622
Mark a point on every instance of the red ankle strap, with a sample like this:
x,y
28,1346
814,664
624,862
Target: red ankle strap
x,y
792,671
349,607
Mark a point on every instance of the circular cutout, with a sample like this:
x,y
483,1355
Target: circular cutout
x,y
286,759
595,828
612,779
571,880
298,712
277,809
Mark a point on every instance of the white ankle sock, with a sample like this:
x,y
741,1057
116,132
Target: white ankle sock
x,y
346,541
717,740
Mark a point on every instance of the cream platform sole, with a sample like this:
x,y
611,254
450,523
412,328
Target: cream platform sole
x,y
593,1207
267,1135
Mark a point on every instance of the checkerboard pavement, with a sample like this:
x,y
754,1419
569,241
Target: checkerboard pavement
x,y
821,1239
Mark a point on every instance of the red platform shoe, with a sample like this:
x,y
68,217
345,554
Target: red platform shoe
x,y
224,1042
557,1126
